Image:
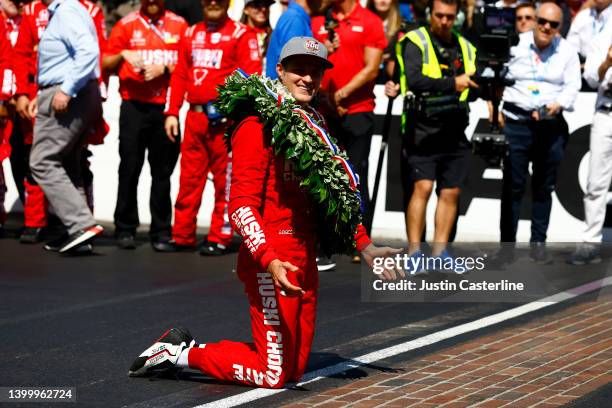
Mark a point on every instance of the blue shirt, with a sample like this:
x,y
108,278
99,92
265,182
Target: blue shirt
x,y
542,76
68,52
294,22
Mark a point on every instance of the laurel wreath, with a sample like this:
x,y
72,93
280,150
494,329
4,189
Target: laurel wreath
x,y
323,178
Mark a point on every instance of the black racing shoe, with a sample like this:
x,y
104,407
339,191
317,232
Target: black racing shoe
x,y
30,235
172,246
163,354
126,240
213,249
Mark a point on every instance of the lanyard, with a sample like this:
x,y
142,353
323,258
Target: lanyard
x,y
535,62
153,27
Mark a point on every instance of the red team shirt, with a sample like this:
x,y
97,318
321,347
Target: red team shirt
x,y
33,22
206,58
157,44
6,75
361,28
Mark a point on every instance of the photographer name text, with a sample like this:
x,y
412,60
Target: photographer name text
x,y
446,285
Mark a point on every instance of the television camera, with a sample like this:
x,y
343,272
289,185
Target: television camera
x,y
493,53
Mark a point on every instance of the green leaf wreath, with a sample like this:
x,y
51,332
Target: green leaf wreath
x,y
324,178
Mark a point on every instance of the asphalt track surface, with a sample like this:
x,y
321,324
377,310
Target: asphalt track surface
x,y
80,321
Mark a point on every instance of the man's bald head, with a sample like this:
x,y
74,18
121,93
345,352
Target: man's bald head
x,y
549,19
550,10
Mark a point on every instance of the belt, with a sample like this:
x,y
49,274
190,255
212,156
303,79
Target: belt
x,y
525,115
605,108
43,87
517,110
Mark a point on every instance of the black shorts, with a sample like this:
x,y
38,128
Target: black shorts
x,y
449,170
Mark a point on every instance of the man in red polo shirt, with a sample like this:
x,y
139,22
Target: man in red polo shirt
x,y
33,22
356,54
209,52
143,49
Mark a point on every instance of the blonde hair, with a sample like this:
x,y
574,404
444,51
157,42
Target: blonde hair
x,y
393,22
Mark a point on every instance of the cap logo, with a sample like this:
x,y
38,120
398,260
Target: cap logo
x,y
311,46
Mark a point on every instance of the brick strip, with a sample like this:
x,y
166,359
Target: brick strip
x,y
545,362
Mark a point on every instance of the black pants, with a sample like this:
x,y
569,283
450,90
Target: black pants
x,y
354,132
542,143
141,127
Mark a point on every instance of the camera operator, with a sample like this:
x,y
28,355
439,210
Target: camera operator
x,y
525,17
436,64
525,20
546,74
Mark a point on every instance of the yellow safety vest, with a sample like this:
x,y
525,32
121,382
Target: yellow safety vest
x,y
431,66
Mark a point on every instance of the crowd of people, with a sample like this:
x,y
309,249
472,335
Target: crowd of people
x,y
56,59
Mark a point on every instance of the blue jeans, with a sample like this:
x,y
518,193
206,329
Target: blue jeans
x,y
543,144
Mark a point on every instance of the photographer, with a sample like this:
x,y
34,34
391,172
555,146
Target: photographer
x,y
546,74
525,17
436,64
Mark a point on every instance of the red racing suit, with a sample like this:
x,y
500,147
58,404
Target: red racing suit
x,y
33,22
276,218
206,57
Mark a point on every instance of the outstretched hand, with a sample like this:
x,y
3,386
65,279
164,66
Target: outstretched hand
x,y
278,269
372,252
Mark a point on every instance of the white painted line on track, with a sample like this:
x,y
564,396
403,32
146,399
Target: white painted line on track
x,y
258,393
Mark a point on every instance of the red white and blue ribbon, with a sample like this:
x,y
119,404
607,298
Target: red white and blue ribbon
x,y
319,131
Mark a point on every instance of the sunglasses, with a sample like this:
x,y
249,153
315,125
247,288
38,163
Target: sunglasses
x,y
553,24
526,18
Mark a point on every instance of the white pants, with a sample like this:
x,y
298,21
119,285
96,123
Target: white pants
x,y
600,175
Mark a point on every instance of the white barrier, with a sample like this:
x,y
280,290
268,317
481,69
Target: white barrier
x,y
480,221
